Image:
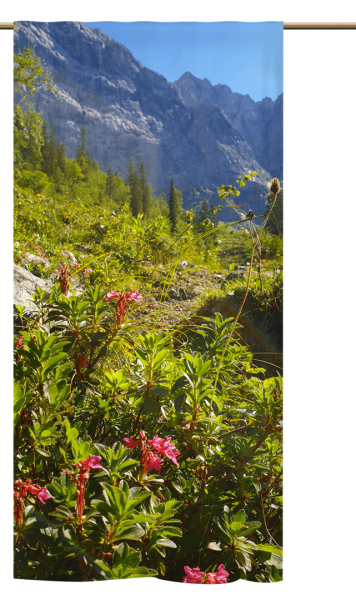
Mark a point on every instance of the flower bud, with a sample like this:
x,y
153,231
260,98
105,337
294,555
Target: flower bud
x,y
275,186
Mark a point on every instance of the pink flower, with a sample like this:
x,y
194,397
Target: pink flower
x,y
219,577
165,447
74,266
193,575
112,294
19,342
88,271
184,264
41,493
154,462
135,296
91,463
130,442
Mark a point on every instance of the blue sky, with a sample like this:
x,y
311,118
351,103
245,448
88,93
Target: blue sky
x,y
248,57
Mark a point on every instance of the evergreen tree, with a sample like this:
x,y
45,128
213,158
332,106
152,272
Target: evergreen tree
x,y
173,208
130,173
204,211
146,192
109,188
31,154
52,150
45,147
82,152
133,181
136,196
61,157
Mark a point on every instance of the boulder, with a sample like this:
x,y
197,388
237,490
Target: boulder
x,y
24,285
69,256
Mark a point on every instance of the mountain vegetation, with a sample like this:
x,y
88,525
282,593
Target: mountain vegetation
x,y
145,445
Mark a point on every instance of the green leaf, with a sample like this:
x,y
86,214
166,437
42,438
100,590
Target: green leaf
x,y
180,383
167,543
43,452
214,546
270,548
252,526
141,572
51,362
71,433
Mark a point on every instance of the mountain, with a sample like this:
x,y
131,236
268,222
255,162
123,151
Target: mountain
x,y
201,135
260,123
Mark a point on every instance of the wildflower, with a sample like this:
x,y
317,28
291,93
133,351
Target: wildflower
x,y
81,480
88,271
130,442
193,575
74,266
123,302
110,295
41,493
150,459
184,264
274,186
197,576
21,488
219,577
135,296
165,447
64,281
19,342
91,463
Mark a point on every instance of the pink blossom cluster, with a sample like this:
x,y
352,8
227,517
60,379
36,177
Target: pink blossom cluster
x,y
19,342
88,271
93,462
21,488
197,576
150,459
63,279
123,302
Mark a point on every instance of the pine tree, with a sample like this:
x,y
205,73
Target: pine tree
x,y
52,150
136,196
204,211
45,147
61,157
109,188
130,173
146,192
173,208
82,152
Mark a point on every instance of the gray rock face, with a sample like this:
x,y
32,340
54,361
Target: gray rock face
x,y
201,136
259,123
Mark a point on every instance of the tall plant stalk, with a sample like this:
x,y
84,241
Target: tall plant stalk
x,y
277,185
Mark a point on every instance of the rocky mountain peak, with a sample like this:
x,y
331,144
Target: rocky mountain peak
x,y
202,135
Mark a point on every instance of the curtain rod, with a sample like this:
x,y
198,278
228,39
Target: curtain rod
x,y
285,26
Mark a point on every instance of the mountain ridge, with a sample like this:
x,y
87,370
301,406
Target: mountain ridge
x,y
130,110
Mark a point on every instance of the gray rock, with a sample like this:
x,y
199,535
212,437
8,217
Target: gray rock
x,y
200,134
33,259
69,256
24,285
